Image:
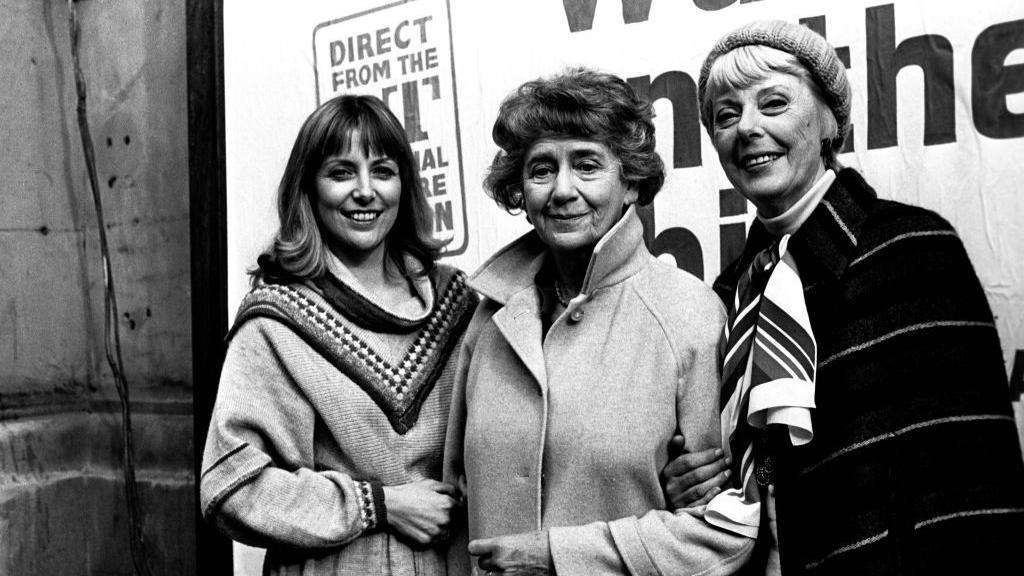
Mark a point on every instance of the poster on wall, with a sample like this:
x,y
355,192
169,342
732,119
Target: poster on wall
x,y
938,112
402,53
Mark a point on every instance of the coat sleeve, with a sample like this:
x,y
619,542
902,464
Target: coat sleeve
x,y
923,360
259,484
661,541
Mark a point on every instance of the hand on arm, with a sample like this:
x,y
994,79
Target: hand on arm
x,y
260,483
693,479
421,511
526,554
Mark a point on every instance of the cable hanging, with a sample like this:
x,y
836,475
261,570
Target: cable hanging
x,y
111,331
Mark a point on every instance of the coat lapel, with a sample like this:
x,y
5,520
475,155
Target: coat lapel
x,y
519,322
508,279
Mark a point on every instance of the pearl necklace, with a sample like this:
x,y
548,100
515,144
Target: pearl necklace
x,y
561,297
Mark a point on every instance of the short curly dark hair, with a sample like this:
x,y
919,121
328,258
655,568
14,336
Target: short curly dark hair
x,y
578,103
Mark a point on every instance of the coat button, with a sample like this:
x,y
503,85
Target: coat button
x,y
576,315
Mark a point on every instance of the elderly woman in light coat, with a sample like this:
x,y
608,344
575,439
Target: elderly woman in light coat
x,y
586,354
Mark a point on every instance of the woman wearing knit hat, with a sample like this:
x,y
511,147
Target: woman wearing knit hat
x,y
864,397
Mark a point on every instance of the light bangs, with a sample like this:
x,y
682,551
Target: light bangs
x,y
744,66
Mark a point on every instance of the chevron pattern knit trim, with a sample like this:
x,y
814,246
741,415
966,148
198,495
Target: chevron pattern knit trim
x,y
398,389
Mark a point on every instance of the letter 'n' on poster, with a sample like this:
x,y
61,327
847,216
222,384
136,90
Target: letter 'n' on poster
x,y
402,53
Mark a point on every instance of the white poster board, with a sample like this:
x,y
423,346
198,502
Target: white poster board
x,y
938,111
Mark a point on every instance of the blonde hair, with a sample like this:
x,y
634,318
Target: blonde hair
x,y
744,66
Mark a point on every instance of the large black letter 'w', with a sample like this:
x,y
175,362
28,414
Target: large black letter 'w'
x,y
580,13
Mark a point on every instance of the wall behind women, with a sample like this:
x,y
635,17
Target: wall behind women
x,y
938,111
62,506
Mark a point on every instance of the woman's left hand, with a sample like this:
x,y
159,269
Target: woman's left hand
x,y
526,554
693,479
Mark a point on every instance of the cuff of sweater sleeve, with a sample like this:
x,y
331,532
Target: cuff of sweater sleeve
x,y
381,510
371,505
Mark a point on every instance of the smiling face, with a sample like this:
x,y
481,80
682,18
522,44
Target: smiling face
x,y
768,137
357,197
573,192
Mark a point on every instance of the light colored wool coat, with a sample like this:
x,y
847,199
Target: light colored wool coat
x,y
569,433
295,443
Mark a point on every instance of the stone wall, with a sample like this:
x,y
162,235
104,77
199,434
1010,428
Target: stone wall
x,y
62,507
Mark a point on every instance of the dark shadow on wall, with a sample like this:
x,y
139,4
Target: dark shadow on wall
x,y
207,202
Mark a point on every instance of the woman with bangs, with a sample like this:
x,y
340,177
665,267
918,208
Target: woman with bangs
x,y
326,437
864,395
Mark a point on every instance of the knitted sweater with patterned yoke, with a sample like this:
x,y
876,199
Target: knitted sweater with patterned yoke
x,y
324,398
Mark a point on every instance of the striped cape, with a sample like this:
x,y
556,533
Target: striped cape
x,y
915,466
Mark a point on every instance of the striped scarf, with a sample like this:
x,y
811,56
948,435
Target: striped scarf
x,y
768,367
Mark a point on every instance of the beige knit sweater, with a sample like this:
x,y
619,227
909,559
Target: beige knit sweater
x,y
295,442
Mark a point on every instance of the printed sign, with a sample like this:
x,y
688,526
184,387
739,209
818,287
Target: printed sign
x,y
938,112
402,53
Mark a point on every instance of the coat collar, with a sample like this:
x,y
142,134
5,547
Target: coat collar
x,y
617,256
830,237
508,278
825,244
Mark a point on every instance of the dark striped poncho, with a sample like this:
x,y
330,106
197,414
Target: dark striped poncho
x,y
915,466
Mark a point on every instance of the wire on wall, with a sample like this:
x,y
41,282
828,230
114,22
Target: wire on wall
x,y
111,331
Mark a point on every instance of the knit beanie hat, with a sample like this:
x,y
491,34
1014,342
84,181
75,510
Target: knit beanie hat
x,y
809,47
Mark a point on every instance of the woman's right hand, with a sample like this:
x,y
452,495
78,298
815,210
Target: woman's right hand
x,y
421,510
